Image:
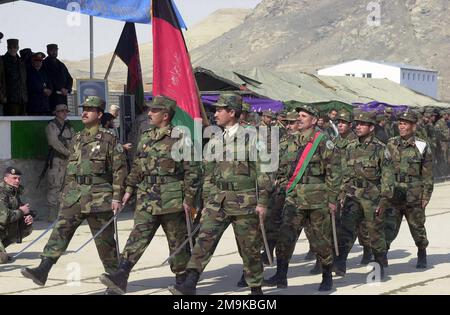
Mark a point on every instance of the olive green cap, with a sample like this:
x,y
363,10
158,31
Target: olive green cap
x,y
94,101
344,115
162,102
230,100
245,107
368,117
408,115
308,109
268,113
292,116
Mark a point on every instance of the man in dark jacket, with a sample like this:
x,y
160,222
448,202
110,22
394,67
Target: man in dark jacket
x,y
39,87
59,77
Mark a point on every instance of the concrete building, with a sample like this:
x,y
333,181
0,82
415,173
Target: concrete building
x,y
419,79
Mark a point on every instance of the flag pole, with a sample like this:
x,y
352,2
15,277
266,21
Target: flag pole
x,y
110,66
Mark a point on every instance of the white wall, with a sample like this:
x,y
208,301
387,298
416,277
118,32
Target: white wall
x,y
425,82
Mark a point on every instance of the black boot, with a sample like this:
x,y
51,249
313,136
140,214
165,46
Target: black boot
x,y
327,279
310,255
189,286
117,281
180,278
280,278
40,273
340,265
242,283
421,259
367,256
256,291
317,268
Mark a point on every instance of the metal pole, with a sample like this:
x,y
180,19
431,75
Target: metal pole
x,y
91,45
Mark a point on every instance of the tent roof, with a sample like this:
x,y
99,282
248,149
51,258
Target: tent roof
x,y
310,88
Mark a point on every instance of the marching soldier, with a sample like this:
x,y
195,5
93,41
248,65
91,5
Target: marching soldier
x,y
237,193
413,166
367,187
310,196
15,217
59,134
92,191
165,191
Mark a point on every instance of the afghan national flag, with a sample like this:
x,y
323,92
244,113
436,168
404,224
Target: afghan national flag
x,y
128,51
172,70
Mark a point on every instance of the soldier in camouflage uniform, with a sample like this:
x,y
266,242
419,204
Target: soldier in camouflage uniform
x,y
15,217
443,138
308,201
413,166
59,133
92,191
244,119
164,188
237,193
390,124
367,185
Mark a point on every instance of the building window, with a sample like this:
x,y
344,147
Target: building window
x,y
428,77
409,76
414,76
369,75
432,78
403,75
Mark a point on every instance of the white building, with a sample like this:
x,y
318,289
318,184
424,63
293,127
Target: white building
x,y
422,80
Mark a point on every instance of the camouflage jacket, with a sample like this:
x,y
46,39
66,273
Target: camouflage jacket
x,y
9,205
231,183
59,143
442,131
317,187
413,166
96,171
338,158
166,183
368,173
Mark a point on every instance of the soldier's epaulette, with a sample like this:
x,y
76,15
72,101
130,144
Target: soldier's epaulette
x,y
106,135
379,142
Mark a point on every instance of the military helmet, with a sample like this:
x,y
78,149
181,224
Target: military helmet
x,y
163,102
94,101
229,100
345,115
367,117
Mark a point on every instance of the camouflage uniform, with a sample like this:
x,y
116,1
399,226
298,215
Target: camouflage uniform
x,y
55,175
413,166
162,185
231,198
308,201
443,138
12,225
367,184
95,177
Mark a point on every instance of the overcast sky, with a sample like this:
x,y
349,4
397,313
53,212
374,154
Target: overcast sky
x,y
36,25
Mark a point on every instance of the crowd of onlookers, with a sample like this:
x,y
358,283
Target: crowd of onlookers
x,y
32,83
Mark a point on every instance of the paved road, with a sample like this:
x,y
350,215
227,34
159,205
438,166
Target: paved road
x,y
78,273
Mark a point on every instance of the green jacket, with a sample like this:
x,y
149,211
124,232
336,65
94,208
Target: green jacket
x,y
9,205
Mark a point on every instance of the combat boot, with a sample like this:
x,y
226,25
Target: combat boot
x,y
180,278
40,273
256,291
280,278
242,283
367,256
421,259
189,286
310,255
317,268
327,278
117,281
340,264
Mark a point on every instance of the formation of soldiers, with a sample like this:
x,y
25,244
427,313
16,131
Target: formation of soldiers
x,y
336,185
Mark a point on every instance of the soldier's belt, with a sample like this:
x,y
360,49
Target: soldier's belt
x,y
222,185
155,179
313,179
90,180
364,183
400,178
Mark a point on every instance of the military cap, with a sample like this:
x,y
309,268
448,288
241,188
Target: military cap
x,y
39,56
163,102
282,115
344,115
408,115
52,46
61,107
292,116
380,117
368,117
25,52
94,101
388,110
308,109
230,100
12,170
12,43
268,113
245,107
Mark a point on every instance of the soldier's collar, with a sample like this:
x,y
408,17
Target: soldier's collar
x,y
9,188
90,132
410,141
307,135
367,139
162,132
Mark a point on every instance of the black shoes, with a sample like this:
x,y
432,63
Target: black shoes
x,y
40,273
117,281
189,286
421,259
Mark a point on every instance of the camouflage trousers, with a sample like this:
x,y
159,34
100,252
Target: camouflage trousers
x,y
14,234
319,234
274,217
354,212
248,236
415,216
363,232
144,229
55,180
69,219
